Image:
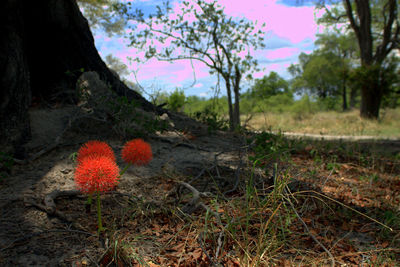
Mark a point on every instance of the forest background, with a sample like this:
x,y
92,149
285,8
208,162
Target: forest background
x,y
320,95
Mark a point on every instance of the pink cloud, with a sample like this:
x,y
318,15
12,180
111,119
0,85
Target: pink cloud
x,y
279,53
294,23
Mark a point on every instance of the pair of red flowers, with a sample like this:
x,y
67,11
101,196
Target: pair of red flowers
x,y
97,170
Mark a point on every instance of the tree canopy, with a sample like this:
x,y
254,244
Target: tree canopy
x,y
104,14
201,31
376,25
270,85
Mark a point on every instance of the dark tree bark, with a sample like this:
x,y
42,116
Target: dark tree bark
x,y
236,90
14,78
40,42
230,105
344,93
353,95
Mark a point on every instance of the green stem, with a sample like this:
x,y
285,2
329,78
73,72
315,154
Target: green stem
x,y
124,170
89,200
88,203
100,226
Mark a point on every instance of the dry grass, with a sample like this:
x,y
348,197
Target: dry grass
x,y
329,123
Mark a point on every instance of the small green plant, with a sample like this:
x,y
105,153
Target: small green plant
x,y
211,119
270,146
312,172
176,100
75,73
371,178
333,166
73,156
264,224
317,158
130,121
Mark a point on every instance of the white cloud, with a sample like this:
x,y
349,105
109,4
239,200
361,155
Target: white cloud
x,y
203,94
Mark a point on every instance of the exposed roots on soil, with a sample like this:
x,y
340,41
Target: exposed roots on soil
x,y
50,208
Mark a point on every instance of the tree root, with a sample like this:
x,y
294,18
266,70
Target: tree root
x,y
195,202
50,207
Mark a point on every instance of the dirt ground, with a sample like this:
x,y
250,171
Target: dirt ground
x,y
30,237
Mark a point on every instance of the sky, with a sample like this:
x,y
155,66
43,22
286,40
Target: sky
x,y
290,30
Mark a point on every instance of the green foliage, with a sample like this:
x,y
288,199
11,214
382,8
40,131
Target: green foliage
x,y
200,30
116,65
105,14
75,73
318,74
303,108
211,118
325,72
176,100
332,166
271,147
270,85
277,103
198,104
376,36
129,121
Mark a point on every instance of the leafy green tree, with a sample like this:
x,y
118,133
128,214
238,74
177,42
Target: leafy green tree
x,y
201,31
116,65
270,85
176,100
122,71
343,48
376,25
316,74
105,14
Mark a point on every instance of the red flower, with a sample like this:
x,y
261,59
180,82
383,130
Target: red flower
x,y
95,148
137,152
96,174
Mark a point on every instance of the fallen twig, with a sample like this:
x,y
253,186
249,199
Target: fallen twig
x,y
49,203
194,203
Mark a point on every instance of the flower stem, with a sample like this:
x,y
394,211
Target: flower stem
x,y
88,203
89,200
124,170
100,226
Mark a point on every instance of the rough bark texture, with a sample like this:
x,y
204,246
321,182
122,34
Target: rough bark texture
x,y
230,106
43,46
236,90
370,101
61,40
14,78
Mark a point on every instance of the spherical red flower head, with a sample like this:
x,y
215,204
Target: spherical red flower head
x,y
96,174
95,148
137,152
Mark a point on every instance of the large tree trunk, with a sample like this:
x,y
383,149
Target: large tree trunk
x,y
14,78
361,22
371,97
43,46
